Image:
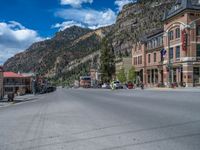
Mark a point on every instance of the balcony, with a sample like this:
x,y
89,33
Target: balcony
x,y
16,84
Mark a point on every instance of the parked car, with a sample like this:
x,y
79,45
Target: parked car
x,y
130,85
105,86
117,85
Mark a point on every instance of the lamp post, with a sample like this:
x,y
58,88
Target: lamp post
x,y
169,62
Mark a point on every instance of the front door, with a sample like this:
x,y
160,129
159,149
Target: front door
x,y
196,76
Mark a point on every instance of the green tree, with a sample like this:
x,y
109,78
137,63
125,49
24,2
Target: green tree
x,y
131,74
107,61
121,75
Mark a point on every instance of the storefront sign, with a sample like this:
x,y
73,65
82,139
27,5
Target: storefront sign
x,y
184,40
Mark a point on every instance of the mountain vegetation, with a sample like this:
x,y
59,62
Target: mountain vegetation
x,y
70,53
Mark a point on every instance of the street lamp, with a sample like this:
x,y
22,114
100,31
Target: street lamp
x,y
169,64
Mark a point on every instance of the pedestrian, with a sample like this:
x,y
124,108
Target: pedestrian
x,y
142,85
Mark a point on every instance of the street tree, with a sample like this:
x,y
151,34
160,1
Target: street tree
x,y
107,61
121,75
132,74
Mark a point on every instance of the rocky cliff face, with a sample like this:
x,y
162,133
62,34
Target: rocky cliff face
x,y
51,56
136,20
63,55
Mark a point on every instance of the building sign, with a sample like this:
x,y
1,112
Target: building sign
x,y
184,40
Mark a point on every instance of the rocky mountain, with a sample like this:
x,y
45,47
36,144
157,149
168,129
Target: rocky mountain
x,y
51,57
70,52
137,20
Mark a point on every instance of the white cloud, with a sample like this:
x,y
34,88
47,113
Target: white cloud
x,y
88,17
121,3
67,24
15,38
75,3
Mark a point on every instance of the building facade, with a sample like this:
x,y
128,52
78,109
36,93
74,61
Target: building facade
x,y
172,56
1,83
16,83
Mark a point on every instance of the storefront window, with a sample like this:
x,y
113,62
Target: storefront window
x,y
177,52
196,76
198,50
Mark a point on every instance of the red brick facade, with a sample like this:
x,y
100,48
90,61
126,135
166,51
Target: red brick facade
x,y
181,42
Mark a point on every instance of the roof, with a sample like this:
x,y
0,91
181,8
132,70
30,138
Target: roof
x,y
180,6
13,75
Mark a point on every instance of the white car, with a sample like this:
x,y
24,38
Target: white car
x,y
105,86
117,85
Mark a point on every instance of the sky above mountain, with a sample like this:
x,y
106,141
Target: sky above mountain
x,y
23,22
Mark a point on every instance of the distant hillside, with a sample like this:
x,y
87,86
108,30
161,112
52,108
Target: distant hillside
x,y
62,56
50,57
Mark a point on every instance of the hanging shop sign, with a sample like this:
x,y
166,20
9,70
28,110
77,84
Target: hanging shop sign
x,y
184,40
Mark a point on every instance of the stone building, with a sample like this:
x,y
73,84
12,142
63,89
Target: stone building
x,y
172,56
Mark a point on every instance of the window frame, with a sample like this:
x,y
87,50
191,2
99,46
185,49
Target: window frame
x,y
179,52
171,53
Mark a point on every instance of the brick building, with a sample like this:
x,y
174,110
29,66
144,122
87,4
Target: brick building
x,y
172,55
1,82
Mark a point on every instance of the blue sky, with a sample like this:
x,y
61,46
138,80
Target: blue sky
x,y
23,22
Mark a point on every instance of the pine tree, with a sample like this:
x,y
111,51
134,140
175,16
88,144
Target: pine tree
x,y
107,61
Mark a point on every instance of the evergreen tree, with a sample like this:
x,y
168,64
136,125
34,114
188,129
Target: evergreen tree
x,y
121,75
107,61
131,74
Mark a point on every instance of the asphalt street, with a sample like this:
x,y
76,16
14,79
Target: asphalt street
x,y
87,119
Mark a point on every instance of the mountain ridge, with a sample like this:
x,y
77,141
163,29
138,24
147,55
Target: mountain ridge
x,y
51,57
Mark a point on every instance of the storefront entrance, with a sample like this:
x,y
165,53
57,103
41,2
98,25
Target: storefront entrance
x,y
196,72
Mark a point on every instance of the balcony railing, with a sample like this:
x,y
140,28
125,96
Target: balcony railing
x,y
16,83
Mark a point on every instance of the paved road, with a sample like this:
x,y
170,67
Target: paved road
x,y
103,120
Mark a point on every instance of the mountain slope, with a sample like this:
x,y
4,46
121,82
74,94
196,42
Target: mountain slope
x,y
136,20
51,56
61,57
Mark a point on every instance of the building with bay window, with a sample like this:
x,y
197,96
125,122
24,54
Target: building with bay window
x,y
172,55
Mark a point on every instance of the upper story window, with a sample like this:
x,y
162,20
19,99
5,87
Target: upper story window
x,y
154,57
198,50
171,53
139,60
177,6
149,58
178,33
171,35
198,30
177,52
160,41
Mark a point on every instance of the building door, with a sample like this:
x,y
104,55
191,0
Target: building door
x,y
174,75
196,76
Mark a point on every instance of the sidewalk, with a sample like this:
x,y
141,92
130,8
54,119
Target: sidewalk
x,y
18,99
186,89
